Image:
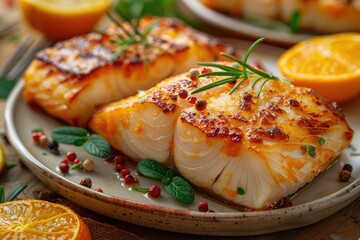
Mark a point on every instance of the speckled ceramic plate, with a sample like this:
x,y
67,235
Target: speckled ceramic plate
x,y
319,199
238,27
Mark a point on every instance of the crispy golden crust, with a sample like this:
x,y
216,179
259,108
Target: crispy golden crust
x,y
71,78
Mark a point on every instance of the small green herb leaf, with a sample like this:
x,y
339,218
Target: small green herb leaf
x,y
181,190
97,146
2,132
70,135
355,154
312,151
77,166
295,21
154,170
240,191
321,141
140,189
9,164
6,87
14,193
37,129
2,194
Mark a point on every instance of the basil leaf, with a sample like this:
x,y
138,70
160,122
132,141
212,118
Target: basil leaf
x,y
70,135
154,170
77,166
97,146
14,193
295,21
9,164
181,190
240,191
2,194
6,87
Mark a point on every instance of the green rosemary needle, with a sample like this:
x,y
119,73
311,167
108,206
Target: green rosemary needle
x,y
131,37
234,74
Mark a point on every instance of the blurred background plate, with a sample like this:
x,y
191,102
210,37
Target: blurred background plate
x,y
232,26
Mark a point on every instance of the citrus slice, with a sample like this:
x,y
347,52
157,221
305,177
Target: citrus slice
x,y
2,158
62,19
36,219
328,64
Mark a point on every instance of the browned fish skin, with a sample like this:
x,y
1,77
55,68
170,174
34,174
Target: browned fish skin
x,y
71,78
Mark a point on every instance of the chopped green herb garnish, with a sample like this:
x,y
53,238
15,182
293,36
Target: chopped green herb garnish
x,y
321,141
295,21
9,164
312,151
355,154
240,191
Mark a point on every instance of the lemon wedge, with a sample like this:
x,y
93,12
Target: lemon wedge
x,y
62,19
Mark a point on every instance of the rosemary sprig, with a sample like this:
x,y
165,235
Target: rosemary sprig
x,y
131,37
235,74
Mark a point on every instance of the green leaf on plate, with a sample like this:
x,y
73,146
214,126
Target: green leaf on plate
x,y
295,21
154,170
181,190
15,192
77,166
2,194
5,87
10,164
70,135
97,146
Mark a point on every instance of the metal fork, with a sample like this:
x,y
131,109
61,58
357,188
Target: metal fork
x,y
15,66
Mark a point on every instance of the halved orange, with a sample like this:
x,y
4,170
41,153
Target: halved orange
x,y
328,64
62,19
37,219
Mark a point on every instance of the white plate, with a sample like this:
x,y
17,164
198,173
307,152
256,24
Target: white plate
x,y
319,199
238,27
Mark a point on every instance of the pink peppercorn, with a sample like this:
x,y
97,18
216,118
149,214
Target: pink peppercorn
x,y
154,191
203,206
64,168
119,159
66,161
99,190
206,70
129,179
71,156
36,137
76,161
192,100
119,167
183,94
124,172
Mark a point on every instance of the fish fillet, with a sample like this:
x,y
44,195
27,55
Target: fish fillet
x,y
247,150
71,78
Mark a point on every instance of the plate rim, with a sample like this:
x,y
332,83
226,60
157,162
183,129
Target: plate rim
x,y
232,25
342,197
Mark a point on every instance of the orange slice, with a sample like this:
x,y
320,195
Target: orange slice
x,y
328,64
36,219
62,19
2,158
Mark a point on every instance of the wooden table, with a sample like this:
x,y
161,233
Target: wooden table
x,y
343,225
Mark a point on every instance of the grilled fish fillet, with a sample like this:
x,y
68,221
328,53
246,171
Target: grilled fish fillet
x,y
323,16
267,146
71,78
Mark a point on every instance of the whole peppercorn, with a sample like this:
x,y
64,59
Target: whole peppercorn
x,y
71,156
206,70
76,161
129,179
86,182
119,167
200,105
183,94
154,191
203,206
125,172
119,159
55,151
192,100
194,73
344,175
64,167
99,189
36,137
43,140
88,165
52,144
348,167
66,161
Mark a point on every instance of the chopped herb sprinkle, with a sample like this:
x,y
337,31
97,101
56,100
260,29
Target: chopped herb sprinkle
x,y
312,151
240,191
321,141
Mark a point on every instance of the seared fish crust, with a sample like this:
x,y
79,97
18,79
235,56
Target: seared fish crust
x,y
268,146
71,78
